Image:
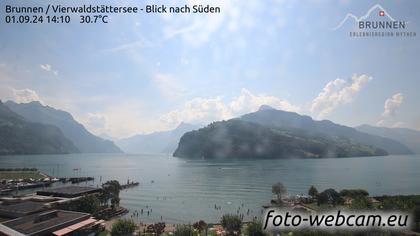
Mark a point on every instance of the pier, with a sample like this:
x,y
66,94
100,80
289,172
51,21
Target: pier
x,y
130,185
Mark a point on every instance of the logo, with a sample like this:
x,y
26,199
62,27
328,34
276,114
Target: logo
x,y
381,13
377,22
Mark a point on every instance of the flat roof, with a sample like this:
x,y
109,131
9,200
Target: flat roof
x,y
20,209
74,227
46,222
68,191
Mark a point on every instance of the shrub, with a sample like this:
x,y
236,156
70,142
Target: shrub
x,y
123,227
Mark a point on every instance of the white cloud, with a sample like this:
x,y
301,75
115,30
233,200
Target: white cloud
x,y
398,124
390,107
392,104
248,102
337,92
206,110
380,123
25,95
121,120
197,29
48,68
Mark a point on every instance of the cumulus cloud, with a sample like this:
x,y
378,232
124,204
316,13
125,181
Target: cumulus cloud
x,y
390,108
248,102
398,124
25,95
380,123
120,120
48,68
392,104
338,92
205,110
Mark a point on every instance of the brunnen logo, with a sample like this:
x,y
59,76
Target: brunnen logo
x,y
377,22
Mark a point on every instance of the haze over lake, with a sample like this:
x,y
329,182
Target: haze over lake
x,y
186,191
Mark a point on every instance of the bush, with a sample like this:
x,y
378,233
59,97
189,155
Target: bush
x,y
255,229
231,223
184,230
123,227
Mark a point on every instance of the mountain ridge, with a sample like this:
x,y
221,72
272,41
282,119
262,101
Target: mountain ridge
x,y
289,135
163,142
85,141
408,137
19,136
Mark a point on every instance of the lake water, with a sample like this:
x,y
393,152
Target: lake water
x,y
185,191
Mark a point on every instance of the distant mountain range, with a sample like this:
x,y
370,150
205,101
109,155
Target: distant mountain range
x,y
19,136
408,137
270,133
158,142
82,139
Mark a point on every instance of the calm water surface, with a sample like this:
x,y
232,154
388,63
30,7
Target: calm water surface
x,y
185,191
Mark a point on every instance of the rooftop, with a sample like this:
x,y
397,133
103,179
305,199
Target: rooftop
x,y
68,191
20,209
46,222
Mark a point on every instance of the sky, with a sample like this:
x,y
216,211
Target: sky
x,y
142,73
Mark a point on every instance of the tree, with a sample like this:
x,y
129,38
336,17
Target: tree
x,y
89,204
353,193
255,229
111,191
361,203
231,223
278,189
123,227
200,225
329,196
313,192
184,230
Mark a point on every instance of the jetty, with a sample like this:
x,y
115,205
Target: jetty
x,y
130,185
76,180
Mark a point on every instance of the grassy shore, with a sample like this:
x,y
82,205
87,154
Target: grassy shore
x,y
21,175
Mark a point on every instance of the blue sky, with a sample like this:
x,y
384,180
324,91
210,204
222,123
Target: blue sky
x,y
142,73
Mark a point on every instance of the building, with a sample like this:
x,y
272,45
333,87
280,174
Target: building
x,y
19,209
54,222
68,191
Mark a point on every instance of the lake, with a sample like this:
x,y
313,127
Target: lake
x,y
183,191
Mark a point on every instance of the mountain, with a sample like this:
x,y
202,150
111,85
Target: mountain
x,y
74,131
271,133
158,142
238,139
408,137
293,121
18,136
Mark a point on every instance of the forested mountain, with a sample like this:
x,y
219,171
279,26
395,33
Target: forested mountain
x,y
271,133
291,120
76,132
18,136
240,139
408,137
